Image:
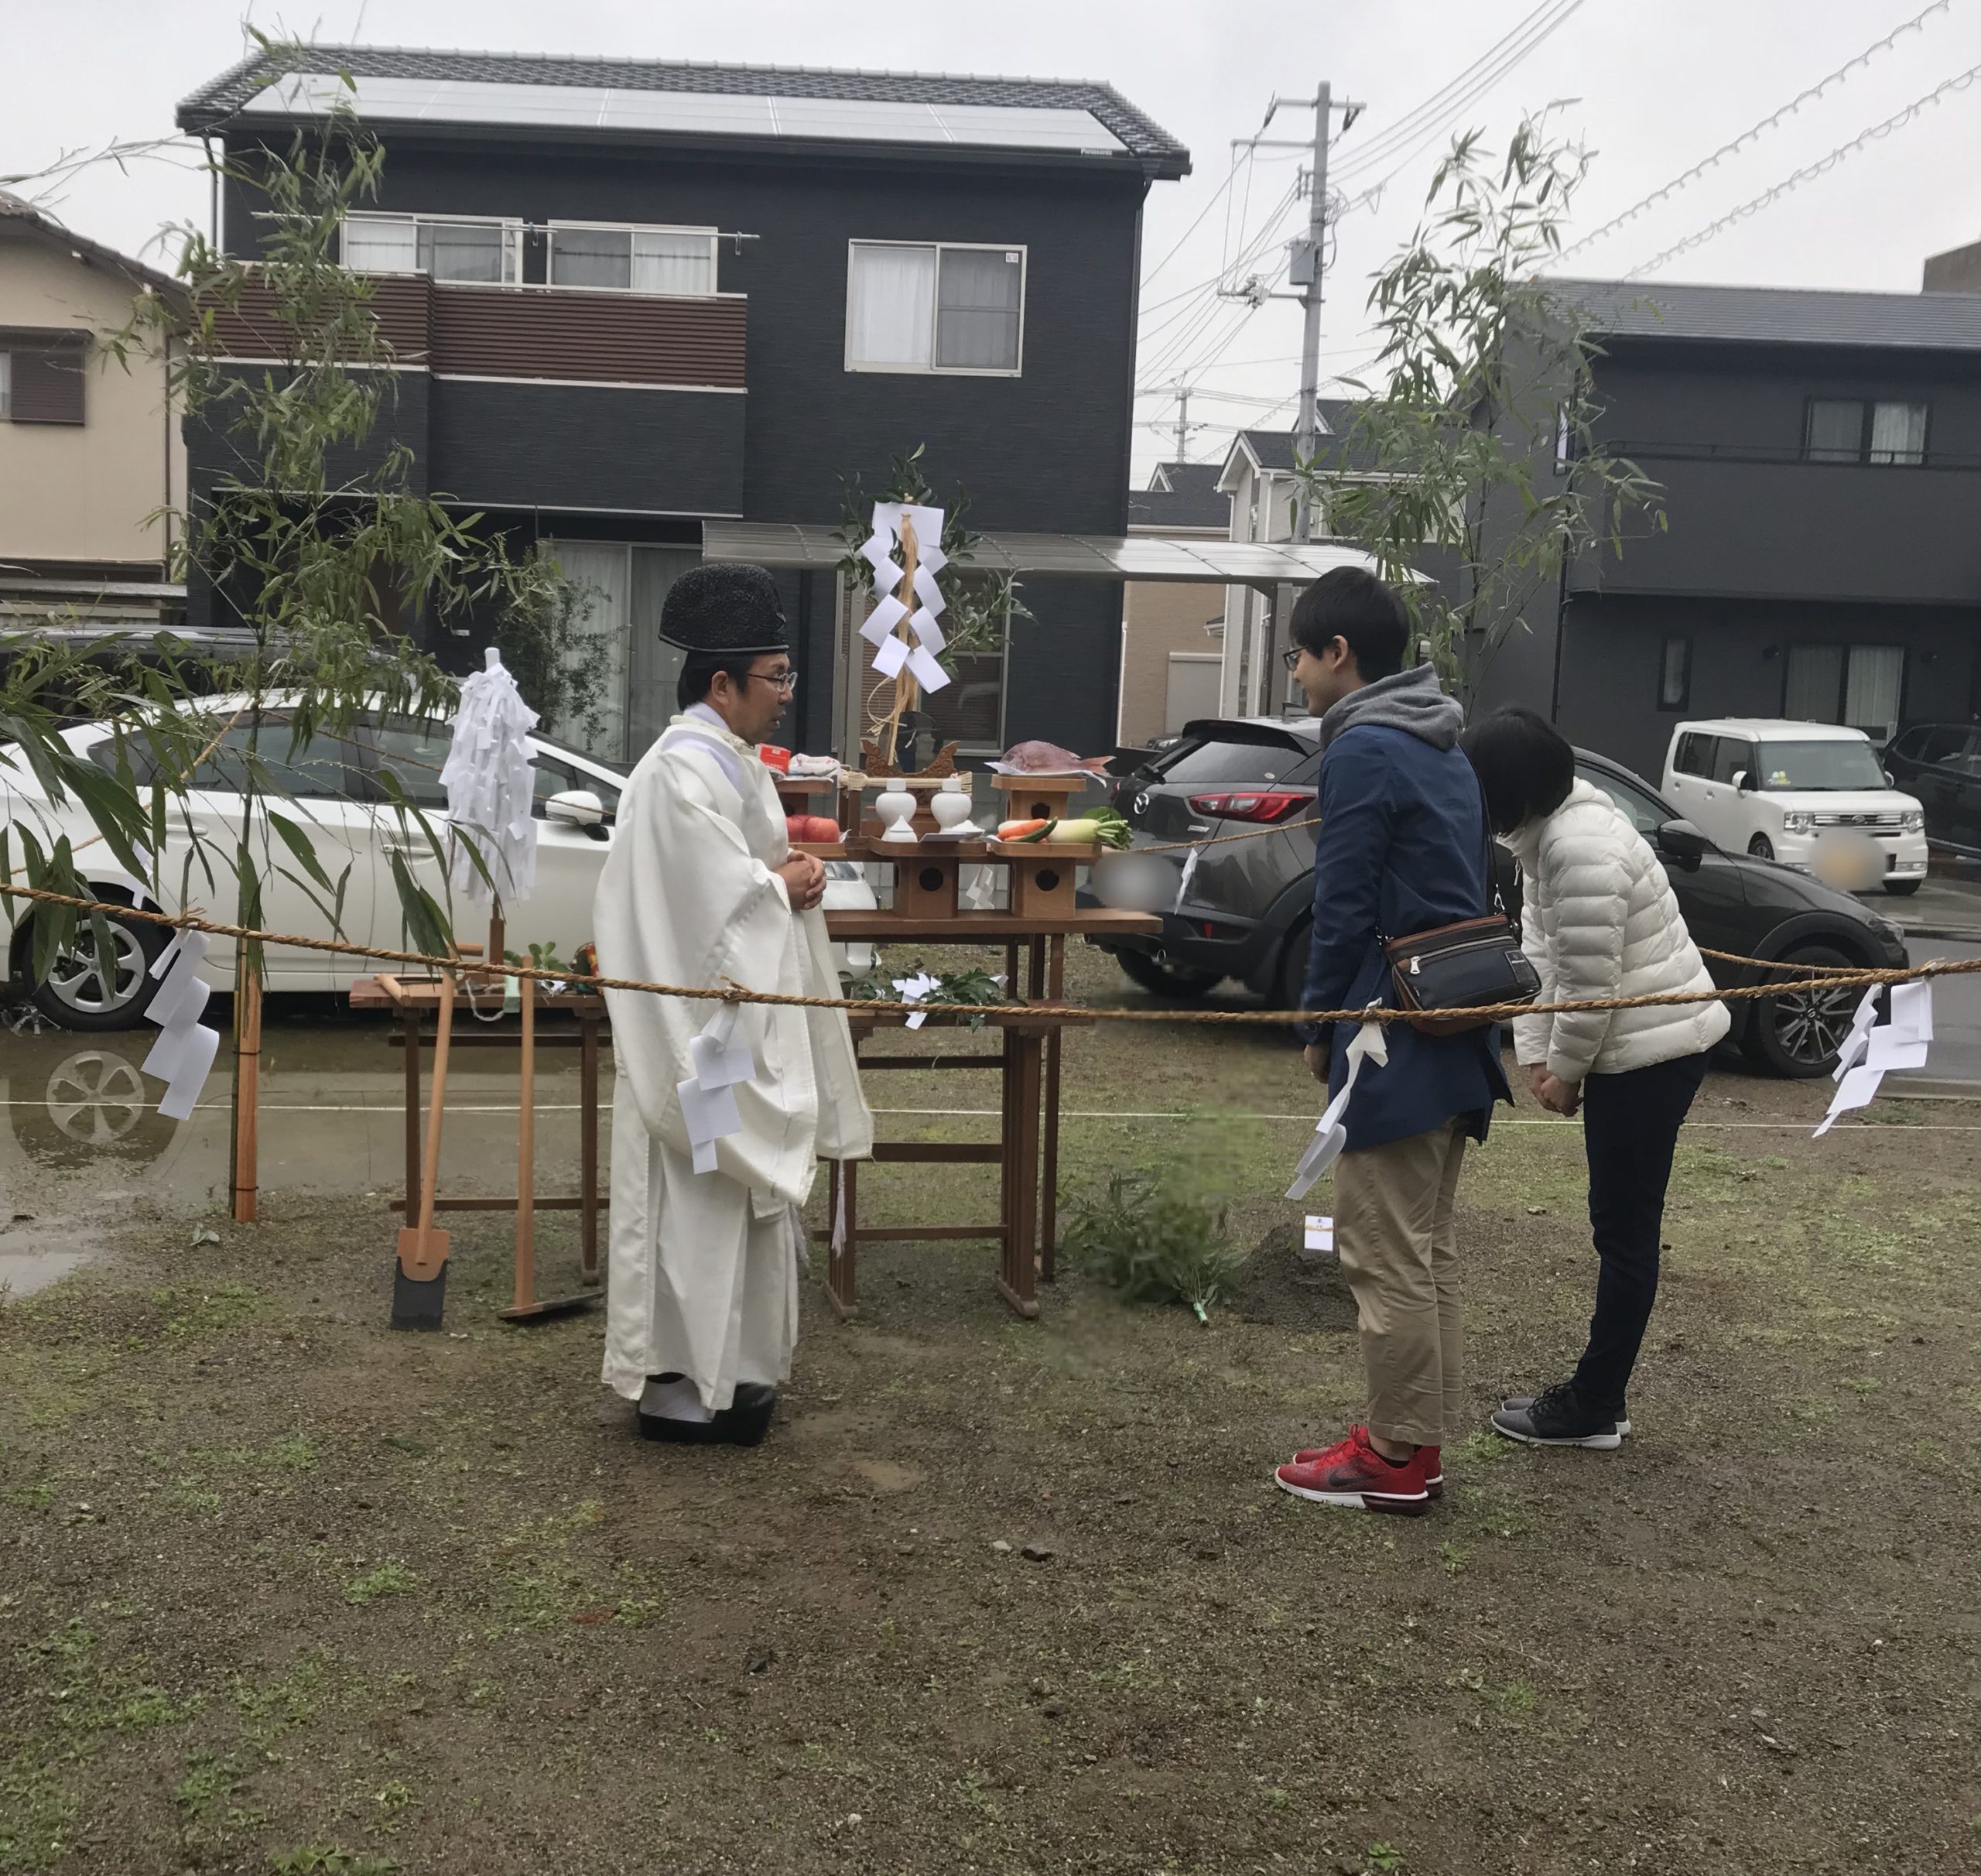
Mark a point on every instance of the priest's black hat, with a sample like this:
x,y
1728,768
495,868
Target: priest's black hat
x,y
723,608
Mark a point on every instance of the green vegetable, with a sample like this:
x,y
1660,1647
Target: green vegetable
x,y
1103,825
1044,833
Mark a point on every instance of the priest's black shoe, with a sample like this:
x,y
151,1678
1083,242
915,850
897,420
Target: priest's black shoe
x,y
744,1423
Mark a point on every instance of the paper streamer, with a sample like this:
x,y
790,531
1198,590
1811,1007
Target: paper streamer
x,y
926,590
891,657
1183,878
929,674
723,1059
1319,1235
1872,1049
1329,1135
491,787
881,621
912,990
928,632
183,1056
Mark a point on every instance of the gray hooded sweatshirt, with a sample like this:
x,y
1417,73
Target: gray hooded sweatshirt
x,y
1407,701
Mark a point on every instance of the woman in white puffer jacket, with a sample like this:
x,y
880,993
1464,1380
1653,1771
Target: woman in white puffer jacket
x,y
1599,919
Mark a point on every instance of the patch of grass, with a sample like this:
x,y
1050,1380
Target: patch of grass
x,y
1154,1240
1452,1557
392,1578
36,1813
324,1859
199,1312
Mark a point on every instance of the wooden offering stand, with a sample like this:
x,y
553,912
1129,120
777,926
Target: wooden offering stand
x,y
1042,797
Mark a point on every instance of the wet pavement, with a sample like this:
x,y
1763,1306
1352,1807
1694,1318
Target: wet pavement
x,y
80,1132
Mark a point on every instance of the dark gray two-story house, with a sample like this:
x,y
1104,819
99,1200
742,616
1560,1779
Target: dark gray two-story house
x,y
1820,457
635,305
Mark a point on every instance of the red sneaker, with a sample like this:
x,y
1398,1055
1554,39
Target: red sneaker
x,y
1432,1456
1353,1474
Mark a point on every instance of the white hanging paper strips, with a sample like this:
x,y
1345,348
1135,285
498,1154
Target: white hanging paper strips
x,y
1329,1135
891,657
723,1058
182,1059
183,1054
1899,1043
926,590
881,621
490,788
877,550
929,674
1185,877
912,990
928,632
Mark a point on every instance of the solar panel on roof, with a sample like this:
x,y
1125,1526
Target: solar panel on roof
x,y
459,100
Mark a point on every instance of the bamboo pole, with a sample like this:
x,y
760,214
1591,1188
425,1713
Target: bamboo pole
x,y
246,1083
526,1159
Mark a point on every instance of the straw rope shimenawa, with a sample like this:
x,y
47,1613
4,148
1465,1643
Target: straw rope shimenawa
x,y
1837,979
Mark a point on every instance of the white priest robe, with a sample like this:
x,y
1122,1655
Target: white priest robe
x,y
704,1267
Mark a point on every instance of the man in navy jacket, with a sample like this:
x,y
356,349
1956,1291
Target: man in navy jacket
x,y
1401,849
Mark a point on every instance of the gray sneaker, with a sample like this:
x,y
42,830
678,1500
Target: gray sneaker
x,y
1520,1403
1555,1417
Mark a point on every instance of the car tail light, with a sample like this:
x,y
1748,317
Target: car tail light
x,y
1266,805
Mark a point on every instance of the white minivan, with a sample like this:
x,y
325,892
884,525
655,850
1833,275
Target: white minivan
x,y
1774,789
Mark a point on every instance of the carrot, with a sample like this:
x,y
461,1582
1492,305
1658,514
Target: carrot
x,y
1022,830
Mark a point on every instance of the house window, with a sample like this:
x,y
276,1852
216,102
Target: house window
x,y
480,251
1849,429
1860,684
41,377
624,258
1674,675
935,307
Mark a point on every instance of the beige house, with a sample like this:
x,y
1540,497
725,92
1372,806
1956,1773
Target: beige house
x,y
1171,631
89,451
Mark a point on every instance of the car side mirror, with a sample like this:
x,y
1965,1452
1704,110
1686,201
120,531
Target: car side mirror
x,y
1891,781
1743,783
1680,842
578,807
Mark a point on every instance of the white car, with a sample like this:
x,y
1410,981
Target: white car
x,y
334,790
1774,789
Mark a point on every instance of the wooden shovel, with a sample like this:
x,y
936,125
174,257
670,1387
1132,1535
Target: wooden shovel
x,y
419,1283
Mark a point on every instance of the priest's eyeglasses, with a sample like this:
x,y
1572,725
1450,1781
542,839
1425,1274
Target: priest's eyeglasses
x,y
785,681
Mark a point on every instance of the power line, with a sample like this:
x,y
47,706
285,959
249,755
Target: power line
x,y
1231,177
1430,119
1821,166
1915,24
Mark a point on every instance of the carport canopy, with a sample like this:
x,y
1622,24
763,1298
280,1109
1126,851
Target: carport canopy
x,y
1264,564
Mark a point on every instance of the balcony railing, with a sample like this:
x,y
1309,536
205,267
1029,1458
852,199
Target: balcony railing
x,y
572,334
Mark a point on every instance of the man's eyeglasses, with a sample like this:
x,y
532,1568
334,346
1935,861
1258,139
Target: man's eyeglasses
x,y
786,681
1291,656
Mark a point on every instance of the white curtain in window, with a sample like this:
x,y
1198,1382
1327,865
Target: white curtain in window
x,y
1871,692
382,244
1898,433
6,384
673,263
891,305
603,568
1815,681
1836,429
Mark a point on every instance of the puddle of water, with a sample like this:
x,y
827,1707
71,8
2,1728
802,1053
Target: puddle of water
x,y
30,1261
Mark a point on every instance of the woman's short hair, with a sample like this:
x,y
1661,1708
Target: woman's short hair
x,y
1525,765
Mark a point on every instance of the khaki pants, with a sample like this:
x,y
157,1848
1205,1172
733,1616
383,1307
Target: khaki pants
x,y
1399,1252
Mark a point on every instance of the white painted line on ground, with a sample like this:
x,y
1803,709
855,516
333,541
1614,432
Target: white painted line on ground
x,y
992,1113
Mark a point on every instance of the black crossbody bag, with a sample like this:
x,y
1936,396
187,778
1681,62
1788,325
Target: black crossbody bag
x,y
1475,962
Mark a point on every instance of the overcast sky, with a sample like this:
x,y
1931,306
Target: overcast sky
x,y
1655,88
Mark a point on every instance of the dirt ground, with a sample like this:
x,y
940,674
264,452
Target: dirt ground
x,y
284,1591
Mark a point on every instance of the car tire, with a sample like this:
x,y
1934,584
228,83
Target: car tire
x,y
1293,967
1799,1038
1903,888
1761,848
1161,978
74,994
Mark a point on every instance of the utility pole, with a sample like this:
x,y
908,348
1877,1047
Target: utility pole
x,y
1305,264
1182,421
